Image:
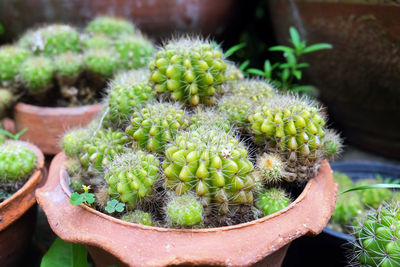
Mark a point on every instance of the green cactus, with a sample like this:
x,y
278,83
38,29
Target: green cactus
x,y
100,61
270,168
36,74
236,108
272,200
333,144
377,238
11,58
74,140
17,162
156,124
253,89
52,40
139,217
189,70
97,41
134,51
131,177
233,73
6,99
110,26
294,128
184,211
374,197
68,66
99,151
348,209
210,117
212,164
127,92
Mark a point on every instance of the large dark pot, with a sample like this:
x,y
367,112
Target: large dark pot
x,y
158,18
359,80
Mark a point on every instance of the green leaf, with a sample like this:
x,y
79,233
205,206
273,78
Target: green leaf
x,y
76,199
18,135
13,136
294,36
64,254
256,72
282,48
234,49
114,205
371,186
120,207
302,65
88,197
285,74
244,65
301,88
316,47
291,59
297,74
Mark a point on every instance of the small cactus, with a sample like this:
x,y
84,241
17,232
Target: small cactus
x,y
6,99
272,200
211,118
17,162
377,238
73,141
52,40
236,108
99,151
134,51
189,70
68,67
333,144
36,74
131,177
156,124
110,26
127,92
97,41
374,197
253,89
270,168
213,165
139,217
11,58
100,61
233,73
184,211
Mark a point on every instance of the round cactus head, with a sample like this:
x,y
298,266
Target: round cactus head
x,y
102,62
73,141
110,26
6,99
377,236
11,58
233,73
213,165
184,211
272,200
333,144
156,124
36,74
131,177
189,70
254,89
97,41
270,168
127,91
134,51
52,40
17,162
210,118
68,64
293,127
236,108
139,217
374,197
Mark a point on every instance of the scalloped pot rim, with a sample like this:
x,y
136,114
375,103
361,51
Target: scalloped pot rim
x,y
64,184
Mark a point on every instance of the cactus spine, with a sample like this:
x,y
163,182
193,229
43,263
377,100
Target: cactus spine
x,y
184,211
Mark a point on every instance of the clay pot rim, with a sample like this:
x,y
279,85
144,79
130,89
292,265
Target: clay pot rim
x,y
32,181
66,189
24,107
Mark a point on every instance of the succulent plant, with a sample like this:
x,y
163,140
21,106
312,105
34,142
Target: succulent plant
x,y
134,51
333,144
270,169
189,70
52,40
74,140
184,211
348,209
213,165
97,41
294,128
110,26
36,74
102,148
11,58
211,118
272,200
16,161
156,124
6,99
100,61
374,197
235,108
377,238
131,177
139,217
253,89
127,91
233,73
68,66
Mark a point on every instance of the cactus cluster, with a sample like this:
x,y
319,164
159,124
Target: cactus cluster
x,y
173,160
70,63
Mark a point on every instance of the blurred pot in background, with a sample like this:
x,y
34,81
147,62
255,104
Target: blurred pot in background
x,y
359,79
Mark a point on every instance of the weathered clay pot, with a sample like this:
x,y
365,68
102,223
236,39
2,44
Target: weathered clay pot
x,y
46,125
158,18
18,217
109,240
359,79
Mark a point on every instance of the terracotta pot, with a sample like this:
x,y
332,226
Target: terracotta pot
x,y
359,79
158,18
18,216
263,241
46,125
